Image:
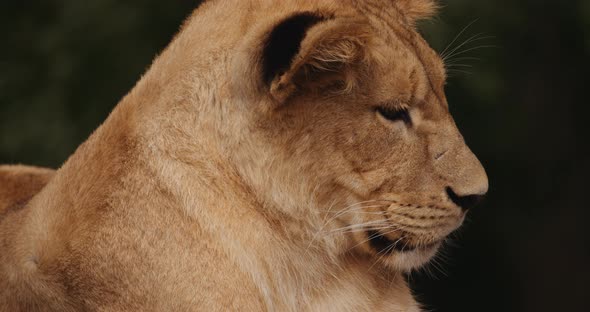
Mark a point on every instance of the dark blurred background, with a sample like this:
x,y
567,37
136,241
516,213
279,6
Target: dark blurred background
x,y
516,91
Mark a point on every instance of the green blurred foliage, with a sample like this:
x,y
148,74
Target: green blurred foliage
x,y
518,96
65,64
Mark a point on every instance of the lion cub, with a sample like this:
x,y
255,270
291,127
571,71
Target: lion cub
x,y
292,155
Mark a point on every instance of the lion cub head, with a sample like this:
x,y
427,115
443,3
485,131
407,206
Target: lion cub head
x,y
335,116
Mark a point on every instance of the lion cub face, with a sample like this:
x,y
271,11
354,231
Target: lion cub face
x,y
356,130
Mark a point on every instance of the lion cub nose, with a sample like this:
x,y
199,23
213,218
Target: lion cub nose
x,y
466,202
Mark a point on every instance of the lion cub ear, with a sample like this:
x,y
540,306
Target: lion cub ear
x,y
416,10
308,52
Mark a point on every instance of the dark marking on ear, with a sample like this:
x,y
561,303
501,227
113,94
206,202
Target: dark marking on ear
x,y
284,43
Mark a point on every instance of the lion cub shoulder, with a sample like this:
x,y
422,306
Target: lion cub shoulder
x,y
18,184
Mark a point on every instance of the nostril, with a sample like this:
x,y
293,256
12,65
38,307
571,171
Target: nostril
x,y
465,202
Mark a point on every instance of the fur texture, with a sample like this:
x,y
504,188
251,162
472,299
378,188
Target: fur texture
x,y
19,184
220,183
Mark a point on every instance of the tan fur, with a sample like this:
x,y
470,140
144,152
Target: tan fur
x,y
208,190
18,184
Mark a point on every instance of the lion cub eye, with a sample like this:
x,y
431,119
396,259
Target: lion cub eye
x,y
395,114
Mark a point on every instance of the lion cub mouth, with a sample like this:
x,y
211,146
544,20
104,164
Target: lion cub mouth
x,y
385,246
